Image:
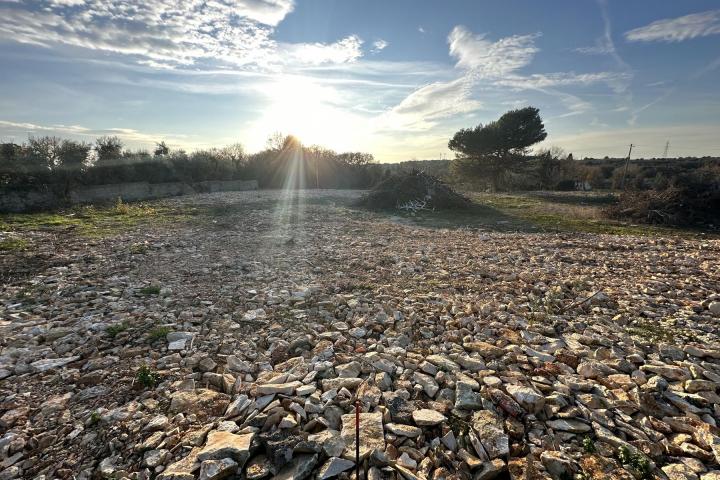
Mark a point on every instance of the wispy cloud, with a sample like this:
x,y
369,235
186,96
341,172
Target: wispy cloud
x,y
422,108
615,80
346,50
128,135
170,34
678,29
476,58
491,64
379,45
491,59
600,48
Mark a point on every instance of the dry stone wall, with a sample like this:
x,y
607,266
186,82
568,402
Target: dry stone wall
x,y
23,201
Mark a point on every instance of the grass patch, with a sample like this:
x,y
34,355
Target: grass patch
x,y
147,377
138,249
13,245
157,333
150,290
567,212
116,329
90,220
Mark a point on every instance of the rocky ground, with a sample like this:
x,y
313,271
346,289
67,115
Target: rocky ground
x,y
237,344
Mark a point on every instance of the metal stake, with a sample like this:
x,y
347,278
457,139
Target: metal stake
x,y
357,439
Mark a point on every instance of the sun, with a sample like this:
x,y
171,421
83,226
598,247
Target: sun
x,y
310,111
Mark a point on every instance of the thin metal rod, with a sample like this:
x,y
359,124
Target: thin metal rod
x,y
357,439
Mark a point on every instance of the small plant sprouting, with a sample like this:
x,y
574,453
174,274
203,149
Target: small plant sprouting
x,y
624,455
588,445
157,333
636,461
114,330
146,376
94,417
150,290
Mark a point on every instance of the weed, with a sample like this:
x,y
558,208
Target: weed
x,y
138,248
146,376
115,329
94,417
121,208
588,445
157,333
652,332
13,245
636,461
150,290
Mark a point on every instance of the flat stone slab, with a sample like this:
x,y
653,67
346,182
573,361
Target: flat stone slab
x,y
426,417
371,434
221,445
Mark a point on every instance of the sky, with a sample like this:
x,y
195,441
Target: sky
x,y
392,78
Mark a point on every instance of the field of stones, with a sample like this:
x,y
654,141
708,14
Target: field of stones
x,y
234,335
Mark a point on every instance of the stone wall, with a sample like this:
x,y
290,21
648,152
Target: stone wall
x,y
23,201
15,201
102,193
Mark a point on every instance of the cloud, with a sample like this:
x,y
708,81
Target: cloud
x,y
616,80
346,50
168,33
481,62
127,135
477,59
678,29
422,108
491,59
600,48
421,29
379,45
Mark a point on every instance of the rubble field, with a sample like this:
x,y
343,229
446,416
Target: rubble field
x,y
235,343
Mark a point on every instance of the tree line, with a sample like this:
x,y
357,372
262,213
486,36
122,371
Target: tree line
x,y
60,164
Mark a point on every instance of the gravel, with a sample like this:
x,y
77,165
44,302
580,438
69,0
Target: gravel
x,y
471,353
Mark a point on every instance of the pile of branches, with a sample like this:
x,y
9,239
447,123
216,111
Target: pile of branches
x,y
672,207
413,192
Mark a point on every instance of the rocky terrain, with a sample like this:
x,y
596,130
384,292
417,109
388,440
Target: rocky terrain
x,y
237,345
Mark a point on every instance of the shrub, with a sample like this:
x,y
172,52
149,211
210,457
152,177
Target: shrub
x,y
158,333
114,330
146,376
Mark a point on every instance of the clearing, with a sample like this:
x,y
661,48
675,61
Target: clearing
x,y
233,331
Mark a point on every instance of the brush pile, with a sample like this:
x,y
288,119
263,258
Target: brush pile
x,y
412,192
692,199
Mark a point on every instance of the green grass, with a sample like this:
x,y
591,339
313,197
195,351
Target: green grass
x,y
147,377
567,212
89,221
157,333
13,245
116,329
150,290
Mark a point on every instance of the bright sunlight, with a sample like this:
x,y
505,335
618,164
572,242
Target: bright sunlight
x,y
307,110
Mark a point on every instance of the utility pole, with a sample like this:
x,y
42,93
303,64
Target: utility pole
x,y
627,163
667,147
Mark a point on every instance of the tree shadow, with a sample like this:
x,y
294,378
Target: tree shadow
x,y
476,216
